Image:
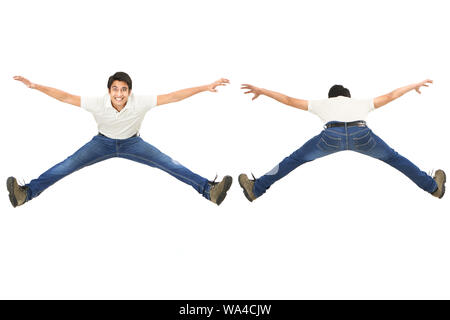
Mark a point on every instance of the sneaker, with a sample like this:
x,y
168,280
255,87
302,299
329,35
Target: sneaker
x,y
247,185
218,190
439,177
17,194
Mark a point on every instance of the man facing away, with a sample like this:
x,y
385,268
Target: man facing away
x,y
345,129
119,115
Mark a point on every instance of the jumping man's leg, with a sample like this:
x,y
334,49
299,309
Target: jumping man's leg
x,y
366,142
98,149
319,146
140,151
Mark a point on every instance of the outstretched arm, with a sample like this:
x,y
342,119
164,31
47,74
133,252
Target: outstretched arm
x,y
52,92
397,93
293,102
186,93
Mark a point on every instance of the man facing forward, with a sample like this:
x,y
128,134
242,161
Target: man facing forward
x,y
119,115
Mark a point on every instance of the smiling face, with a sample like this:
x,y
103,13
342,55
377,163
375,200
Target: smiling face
x,y
119,94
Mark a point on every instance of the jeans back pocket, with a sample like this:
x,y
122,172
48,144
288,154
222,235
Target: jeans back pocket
x,y
364,142
329,143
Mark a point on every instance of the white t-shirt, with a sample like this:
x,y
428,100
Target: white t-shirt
x,y
341,109
114,124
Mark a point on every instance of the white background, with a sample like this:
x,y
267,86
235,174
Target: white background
x,y
345,226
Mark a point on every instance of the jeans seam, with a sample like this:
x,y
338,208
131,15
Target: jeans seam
x,y
334,132
158,166
344,133
346,136
330,145
85,165
357,132
333,138
97,160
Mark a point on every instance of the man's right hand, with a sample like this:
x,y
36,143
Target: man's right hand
x,y
25,81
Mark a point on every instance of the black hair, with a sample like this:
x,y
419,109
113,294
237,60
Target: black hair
x,y
120,76
338,90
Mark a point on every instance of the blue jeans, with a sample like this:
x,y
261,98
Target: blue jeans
x,y
359,139
101,148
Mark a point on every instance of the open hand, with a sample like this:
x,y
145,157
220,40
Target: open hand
x,y
25,81
422,84
252,89
220,82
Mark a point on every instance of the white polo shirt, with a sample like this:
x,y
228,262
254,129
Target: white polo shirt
x,y
114,124
341,109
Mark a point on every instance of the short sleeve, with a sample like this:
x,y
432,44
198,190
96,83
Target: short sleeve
x,y
311,106
91,104
146,102
371,105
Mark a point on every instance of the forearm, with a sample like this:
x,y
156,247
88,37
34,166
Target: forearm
x,y
186,93
397,93
275,95
52,92
292,102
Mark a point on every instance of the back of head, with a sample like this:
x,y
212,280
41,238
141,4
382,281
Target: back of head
x,y
120,76
338,90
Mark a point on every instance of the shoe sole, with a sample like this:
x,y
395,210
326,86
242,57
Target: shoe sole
x,y
227,184
245,192
443,185
10,187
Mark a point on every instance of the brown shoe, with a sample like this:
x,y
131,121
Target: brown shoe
x,y
17,194
439,177
218,190
247,185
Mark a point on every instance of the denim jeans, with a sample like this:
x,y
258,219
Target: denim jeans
x,y
359,139
101,148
